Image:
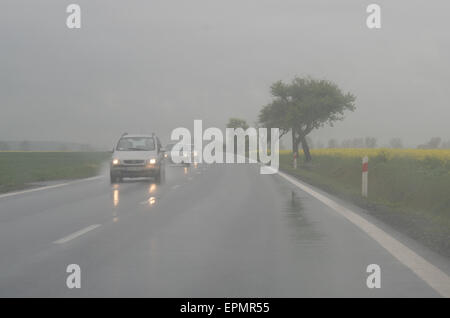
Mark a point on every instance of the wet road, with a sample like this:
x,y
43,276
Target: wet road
x,y
210,231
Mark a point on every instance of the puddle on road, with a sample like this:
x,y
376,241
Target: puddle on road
x,y
301,229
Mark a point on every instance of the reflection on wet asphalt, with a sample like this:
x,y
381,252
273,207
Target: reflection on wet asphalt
x,y
301,229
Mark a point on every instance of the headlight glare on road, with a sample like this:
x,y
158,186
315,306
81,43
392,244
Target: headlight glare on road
x,y
115,161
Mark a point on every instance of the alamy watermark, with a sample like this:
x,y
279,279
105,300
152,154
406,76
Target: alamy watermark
x,y
234,142
373,20
73,280
374,278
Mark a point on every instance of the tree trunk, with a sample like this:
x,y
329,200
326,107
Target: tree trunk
x,y
294,148
294,142
305,148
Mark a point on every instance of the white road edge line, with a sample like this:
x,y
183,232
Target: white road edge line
x,y
77,234
48,187
432,275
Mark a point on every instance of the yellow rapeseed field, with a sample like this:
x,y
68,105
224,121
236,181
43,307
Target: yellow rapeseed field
x,y
418,154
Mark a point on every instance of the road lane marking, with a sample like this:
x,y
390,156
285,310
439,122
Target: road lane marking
x,y
47,187
86,179
432,275
77,234
175,186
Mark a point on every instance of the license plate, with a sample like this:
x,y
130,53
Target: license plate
x,y
134,168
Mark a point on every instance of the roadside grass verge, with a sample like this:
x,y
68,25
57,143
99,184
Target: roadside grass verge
x,y
408,189
19,169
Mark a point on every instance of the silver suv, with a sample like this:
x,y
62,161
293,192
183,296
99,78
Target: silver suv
x,y
137,156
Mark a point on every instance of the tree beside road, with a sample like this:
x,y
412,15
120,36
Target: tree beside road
x,y
303,105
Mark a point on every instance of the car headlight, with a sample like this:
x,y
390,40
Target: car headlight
x,y
115,161
195,152
152,161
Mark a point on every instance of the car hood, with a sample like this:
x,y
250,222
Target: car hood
x,y
134,155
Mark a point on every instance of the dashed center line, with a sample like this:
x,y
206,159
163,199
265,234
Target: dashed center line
x,y
77,234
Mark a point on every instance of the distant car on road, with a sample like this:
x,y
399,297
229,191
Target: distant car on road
x,y
137,156
182,157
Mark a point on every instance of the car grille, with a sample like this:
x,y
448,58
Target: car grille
x,y
133,162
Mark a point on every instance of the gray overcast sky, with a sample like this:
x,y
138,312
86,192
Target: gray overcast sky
x,y
143,66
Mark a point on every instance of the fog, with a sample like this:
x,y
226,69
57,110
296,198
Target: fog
x,y
151,66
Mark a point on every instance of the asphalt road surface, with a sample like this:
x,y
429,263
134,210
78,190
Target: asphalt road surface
x,y
207,231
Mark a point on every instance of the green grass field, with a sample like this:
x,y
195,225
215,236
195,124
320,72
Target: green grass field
x,y
407,188
18,169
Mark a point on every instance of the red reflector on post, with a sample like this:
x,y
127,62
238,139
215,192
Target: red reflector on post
x,y
365,167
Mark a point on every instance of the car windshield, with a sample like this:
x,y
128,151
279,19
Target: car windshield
x,y
136,144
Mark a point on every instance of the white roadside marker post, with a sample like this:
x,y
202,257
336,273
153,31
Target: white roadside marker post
x,y
365,177
295,160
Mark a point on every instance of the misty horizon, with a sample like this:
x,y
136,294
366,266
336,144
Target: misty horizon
x,y
155,68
